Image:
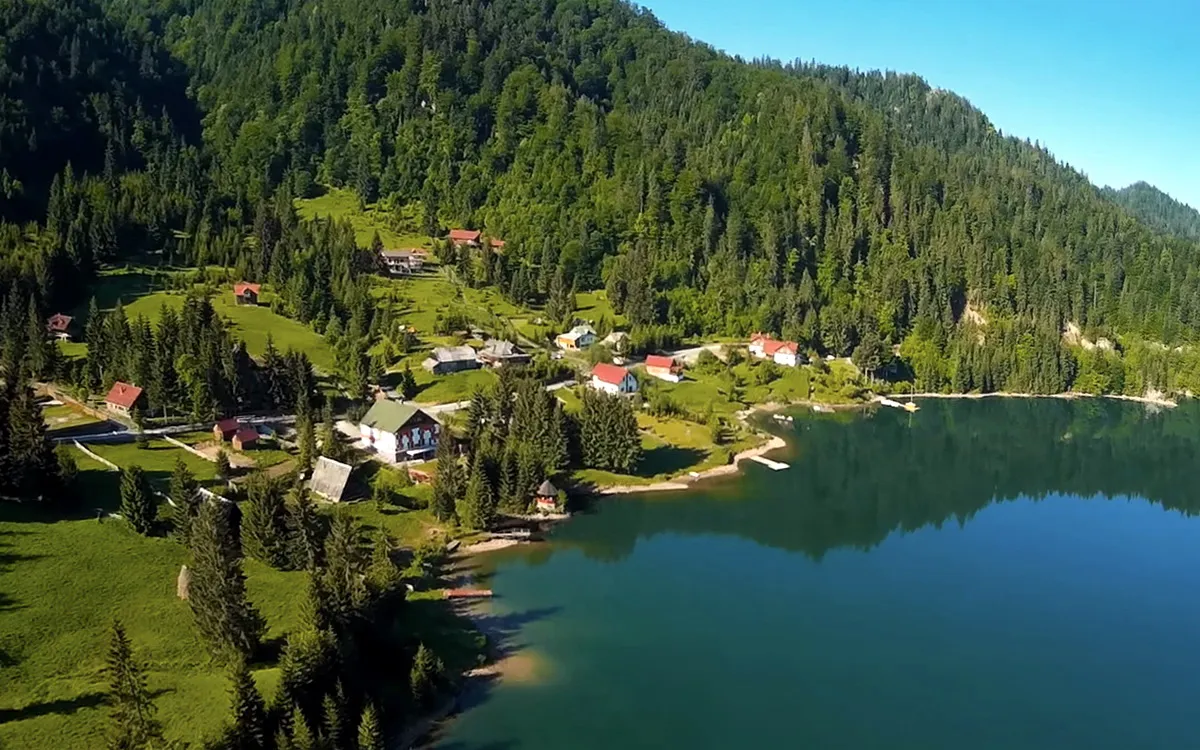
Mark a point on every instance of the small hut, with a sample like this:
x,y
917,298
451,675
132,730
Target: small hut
x,y
547,498
329,479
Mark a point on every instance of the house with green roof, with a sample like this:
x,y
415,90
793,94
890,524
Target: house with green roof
x,y
399,432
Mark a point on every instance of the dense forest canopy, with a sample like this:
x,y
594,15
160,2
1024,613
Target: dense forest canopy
x,y
847,210
1157,209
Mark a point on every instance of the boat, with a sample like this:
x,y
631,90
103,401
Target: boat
x,y
782,418
822,409
910,407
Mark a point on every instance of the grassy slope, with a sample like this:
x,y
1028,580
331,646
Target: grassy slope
x,y
63,580
343,204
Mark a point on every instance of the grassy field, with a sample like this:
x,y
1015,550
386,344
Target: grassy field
x,y
65,417
157,459
343,205
64,576
447,389
250,323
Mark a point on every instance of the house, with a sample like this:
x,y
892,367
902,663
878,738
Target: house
x,y
547,498
446,359
468,237
786,353
402,262
245,437
123,397
613,379
59,326
663,368
497,245
497,353
225,429
579,337
245,293
398,432
329,479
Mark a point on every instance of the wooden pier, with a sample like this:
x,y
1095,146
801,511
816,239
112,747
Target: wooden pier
x,y
773,465
467,593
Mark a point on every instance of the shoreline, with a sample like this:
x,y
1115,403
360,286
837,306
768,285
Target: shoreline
x,y
1065,396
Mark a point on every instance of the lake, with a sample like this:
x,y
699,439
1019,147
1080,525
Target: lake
x,y
981,574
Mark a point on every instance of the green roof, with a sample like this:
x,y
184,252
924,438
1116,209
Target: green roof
x,y
391,416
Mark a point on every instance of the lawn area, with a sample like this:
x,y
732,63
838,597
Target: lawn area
x,y
670,448
65,416
423,298
342,204
157,459
448,389
250,323
63,582
595,305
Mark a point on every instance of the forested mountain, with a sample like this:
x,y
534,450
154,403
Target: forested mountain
x,y
849,211
1157,209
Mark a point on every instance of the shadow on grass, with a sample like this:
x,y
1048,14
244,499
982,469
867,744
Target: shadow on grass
x,y
34,710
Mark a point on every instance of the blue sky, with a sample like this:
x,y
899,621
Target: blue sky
x,y
1111,87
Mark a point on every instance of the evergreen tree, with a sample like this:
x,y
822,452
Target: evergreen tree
x,y
305,538
31,469
248,728
448,482
183,492
477,508
137,500
370,733
264,522
132,722
383,576
224,468
425,679
217,593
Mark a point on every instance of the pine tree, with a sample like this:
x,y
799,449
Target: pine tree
x,y
426,676
306,435
133,725
302,735
137,500
370,734
383,575
336,734
217,594
224,468
408,383
183,492
341,578
248,730
448,484
305,540
477,509
308,663
264,522
32,466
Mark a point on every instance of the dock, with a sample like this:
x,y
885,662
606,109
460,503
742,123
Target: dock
x,y
909,407
772,465
467,593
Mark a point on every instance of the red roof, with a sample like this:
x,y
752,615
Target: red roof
x,y
59,322
227,426
240,288
657,360
610,374
464,235
497,244
771,346
246,435
123,394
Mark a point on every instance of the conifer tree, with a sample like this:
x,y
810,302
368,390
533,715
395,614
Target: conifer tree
x,y
305,540
477,508
32,466
224,468
426,676
183,492
217,593
248,728
336,735
448,482
133,725
370,733
137,500
264,522
383,575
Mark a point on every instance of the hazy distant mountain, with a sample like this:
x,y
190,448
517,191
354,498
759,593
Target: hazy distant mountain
x,y
1157,209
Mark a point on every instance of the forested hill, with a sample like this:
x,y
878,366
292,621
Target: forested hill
x,y
707,194
1157,209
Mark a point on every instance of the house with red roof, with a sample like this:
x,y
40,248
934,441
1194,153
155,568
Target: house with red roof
x,y
245,293
613,379
226,429
59,326
123,397
245,437
460,237
663,368
786,353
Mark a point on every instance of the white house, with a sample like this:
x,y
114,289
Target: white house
x,y
399,432
579,337
786,353
613,379
402,262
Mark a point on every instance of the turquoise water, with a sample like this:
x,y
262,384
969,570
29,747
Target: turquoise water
x,y
998,574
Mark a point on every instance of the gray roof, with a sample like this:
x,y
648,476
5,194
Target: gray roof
x,y
391,416
329,478
547,490
453,354
395,253
499,348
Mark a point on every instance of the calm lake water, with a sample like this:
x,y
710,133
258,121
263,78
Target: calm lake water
x,y
991,574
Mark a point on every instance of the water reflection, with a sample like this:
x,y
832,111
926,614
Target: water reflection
x,y
854,481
